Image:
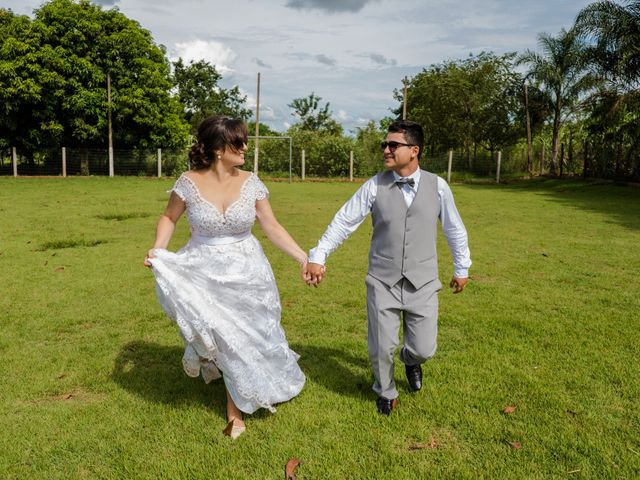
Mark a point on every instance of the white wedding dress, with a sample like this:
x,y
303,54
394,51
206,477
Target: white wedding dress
x,y
220,290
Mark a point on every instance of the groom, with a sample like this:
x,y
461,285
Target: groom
x,y
405,203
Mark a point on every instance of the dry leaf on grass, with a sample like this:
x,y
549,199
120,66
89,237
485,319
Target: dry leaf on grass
x,y
67,396
433,443
59,269
509,409
290,469
515,445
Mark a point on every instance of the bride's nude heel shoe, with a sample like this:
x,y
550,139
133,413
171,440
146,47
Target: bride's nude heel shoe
x,y
234,431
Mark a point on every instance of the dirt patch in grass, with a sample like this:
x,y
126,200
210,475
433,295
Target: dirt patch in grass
x,y
123,216
75,395
69,243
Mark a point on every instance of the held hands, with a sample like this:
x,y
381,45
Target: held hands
x,y
458,284
313,273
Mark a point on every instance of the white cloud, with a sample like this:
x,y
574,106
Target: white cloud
x,y
342,116
267,112
213,52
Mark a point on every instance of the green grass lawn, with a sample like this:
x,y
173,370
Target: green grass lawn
x,y
92,385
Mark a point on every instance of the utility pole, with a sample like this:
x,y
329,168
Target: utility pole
x,y
111,169
257,139
404,98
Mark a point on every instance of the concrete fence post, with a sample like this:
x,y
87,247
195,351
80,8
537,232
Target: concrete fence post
x,y
351,166
14,156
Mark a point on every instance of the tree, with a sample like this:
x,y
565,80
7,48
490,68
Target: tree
x,y
26,84
536,108
463,103
615,30
58,65
201,95
613,33
312,117
367,148
561,71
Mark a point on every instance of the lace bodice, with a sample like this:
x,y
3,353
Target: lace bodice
x,y
205,219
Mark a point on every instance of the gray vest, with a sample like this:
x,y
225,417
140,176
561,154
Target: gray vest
x,y
403,243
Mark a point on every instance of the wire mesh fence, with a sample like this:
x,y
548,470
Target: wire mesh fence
x,y
278,157
93,161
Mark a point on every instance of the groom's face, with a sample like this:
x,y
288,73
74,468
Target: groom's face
x,y
400,157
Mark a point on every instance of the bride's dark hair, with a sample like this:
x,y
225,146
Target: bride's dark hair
x,y
215,134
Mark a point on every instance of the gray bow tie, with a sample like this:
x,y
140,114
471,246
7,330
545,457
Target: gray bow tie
x,y
408,181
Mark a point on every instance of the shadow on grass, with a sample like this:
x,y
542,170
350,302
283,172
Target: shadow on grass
x,y
154,372
336,369
620,203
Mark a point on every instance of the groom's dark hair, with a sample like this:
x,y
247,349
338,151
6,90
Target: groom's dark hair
x,y
412,131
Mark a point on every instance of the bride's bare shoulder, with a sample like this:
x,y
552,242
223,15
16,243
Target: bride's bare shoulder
x,y
244,174
194,174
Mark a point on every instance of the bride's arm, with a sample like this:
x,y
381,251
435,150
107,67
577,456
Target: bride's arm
x,y
167,225
276,233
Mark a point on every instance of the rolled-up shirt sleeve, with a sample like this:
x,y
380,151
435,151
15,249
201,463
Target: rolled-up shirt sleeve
x,y
454,231
346,221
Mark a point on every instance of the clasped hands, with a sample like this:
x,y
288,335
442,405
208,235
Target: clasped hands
x,y
312,273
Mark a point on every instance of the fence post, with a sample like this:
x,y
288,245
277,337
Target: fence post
x,y
302,165
498,167
290,167
159,163
351,166
14,155
449,167
111,170
64,161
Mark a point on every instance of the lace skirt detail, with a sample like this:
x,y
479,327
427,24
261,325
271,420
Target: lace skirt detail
x,y
225,302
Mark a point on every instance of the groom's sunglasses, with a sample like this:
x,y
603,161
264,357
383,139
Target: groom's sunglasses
x,y
393,146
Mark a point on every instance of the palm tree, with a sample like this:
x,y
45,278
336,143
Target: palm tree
x,y
560,70
615,32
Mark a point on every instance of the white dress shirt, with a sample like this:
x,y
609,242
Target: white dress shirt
x,y
354,212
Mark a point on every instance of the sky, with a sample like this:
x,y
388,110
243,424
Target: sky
x,y
351,53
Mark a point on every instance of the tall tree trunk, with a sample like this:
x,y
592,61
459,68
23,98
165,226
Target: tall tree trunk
x,y
529,141
475,155
561,159
585,160
570,161
556,135
618,158
468,152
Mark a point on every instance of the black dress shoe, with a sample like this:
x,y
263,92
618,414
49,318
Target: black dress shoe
x,y
414,376
386,406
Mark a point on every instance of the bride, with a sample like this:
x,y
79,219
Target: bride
x,y
219,288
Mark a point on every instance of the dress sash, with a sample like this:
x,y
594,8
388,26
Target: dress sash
x,y
220,240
